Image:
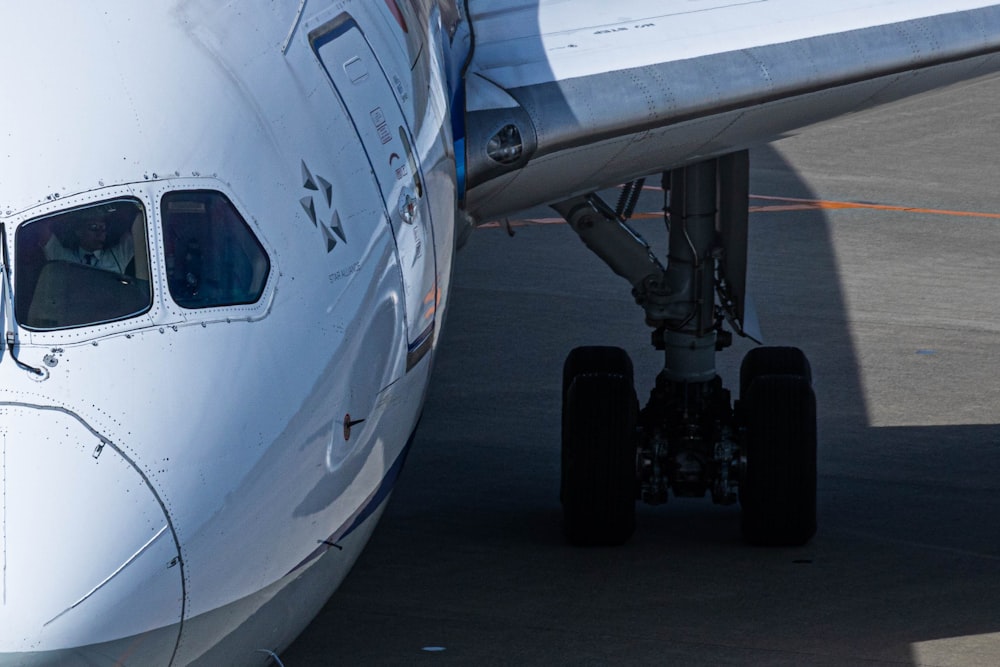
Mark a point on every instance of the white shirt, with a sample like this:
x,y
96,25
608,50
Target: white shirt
x,y
114,258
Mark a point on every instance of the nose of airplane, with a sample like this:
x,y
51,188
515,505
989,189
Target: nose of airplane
x,y
89,566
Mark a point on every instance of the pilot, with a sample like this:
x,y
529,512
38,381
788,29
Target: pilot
x,y
87,242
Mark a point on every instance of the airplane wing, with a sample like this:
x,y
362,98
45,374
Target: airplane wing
x,y
563,98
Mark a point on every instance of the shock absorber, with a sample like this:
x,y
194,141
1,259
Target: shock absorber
x,y
689,343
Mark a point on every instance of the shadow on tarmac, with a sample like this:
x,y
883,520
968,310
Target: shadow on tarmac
x,y
469,556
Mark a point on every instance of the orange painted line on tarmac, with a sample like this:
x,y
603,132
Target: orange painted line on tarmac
x,y
820,204
788,204
782,209
797,204
525,222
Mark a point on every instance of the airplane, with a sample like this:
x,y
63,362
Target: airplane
x,y
227,242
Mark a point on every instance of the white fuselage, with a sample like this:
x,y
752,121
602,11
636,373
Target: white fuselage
x,y
169,474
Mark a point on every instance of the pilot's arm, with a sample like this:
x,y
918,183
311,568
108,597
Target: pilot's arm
x,y
55,250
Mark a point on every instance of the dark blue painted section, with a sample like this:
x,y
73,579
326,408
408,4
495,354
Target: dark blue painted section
x,y
374,501
384,489
458,136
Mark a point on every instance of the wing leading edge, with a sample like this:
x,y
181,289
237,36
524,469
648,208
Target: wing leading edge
x,y
562,100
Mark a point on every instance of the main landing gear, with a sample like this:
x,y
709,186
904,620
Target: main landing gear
x,y
690,438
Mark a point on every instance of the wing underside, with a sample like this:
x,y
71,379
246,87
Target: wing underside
x,y
562,98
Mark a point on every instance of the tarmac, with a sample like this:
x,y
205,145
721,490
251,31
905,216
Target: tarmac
x,y
874,247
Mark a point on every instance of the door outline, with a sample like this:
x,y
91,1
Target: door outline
x,y
419,278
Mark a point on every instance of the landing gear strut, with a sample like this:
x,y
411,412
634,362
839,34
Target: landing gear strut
x,y
690,438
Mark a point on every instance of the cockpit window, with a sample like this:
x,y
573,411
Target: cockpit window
x,y
88,265
213,258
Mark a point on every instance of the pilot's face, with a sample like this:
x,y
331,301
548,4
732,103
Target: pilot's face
x,y
92,235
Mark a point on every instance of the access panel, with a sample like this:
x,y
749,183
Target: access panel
x,y
358,77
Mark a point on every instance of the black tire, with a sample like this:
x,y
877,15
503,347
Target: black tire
x,y
773,361
599,484
591,360
596,359
778,491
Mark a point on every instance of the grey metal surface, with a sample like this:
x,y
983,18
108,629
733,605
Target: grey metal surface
x,y
899,314
616,124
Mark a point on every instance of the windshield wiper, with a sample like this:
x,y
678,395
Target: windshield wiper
x,y
7,304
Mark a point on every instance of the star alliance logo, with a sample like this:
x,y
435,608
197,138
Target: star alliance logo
x,y
331,230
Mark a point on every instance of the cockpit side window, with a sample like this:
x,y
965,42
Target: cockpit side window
x,y
85,266
212,256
